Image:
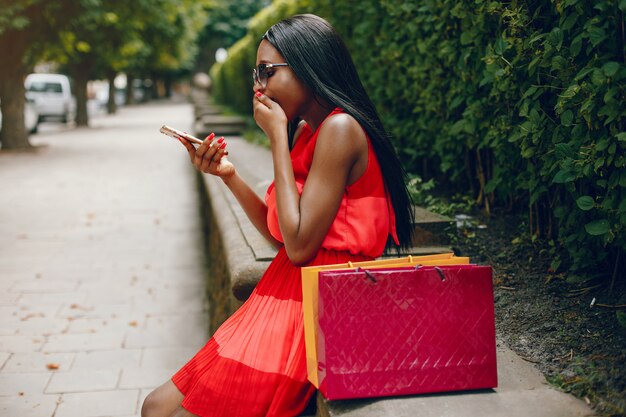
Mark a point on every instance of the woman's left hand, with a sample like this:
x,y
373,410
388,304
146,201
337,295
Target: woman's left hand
x,y
269,116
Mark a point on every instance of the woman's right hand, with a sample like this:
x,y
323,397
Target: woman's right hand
x,y
210,157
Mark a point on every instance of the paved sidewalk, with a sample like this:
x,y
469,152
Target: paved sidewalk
x,y
102,281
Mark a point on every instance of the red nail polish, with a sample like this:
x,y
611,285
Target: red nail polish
x,y
220,140
223,145
258,94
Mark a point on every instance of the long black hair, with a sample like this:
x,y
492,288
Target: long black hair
x,y
318,56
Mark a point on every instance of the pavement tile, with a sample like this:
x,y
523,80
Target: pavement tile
x,y
95,325
164,337
8,298
107,359
173,321
45,285
83,381
167,358
99,404
36,324
32,405
76,311
18,383
145,378
54,298
39,362
20,343
4,357
103,340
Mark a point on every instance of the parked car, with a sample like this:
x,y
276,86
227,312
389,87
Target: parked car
x,y
52,95
31,116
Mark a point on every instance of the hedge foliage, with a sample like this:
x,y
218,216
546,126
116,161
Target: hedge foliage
x,y
520,102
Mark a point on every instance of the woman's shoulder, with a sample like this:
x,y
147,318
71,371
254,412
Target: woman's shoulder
x,y
342,130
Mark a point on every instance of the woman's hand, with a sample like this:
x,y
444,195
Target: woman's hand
x,y
269,116
210,157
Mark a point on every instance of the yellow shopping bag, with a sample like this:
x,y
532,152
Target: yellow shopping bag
x,y
310,294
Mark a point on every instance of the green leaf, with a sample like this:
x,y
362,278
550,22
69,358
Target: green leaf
x,y
622,135
563,176
602,145
569,21
576,45
564,150
610,68
597,227
597,77
581,74
500,46
567,117
622,6
596,36
585,203
555,38
528,152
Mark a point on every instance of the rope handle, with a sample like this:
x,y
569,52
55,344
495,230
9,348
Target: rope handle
x,y
372,278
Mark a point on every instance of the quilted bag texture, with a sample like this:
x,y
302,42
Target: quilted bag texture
x,y
400,331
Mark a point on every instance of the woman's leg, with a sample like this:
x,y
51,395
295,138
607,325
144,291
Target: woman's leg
x,y
163,401
181,412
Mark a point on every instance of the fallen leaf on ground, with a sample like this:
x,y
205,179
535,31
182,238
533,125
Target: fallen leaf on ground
x,y
53,366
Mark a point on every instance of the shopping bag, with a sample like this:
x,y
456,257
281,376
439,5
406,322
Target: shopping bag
x,y
310,292
399,331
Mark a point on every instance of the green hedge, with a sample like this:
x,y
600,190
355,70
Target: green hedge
x,y
520,102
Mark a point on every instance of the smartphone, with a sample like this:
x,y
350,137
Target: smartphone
x,y
175,133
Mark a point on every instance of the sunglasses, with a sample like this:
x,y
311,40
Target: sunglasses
x,y
261,73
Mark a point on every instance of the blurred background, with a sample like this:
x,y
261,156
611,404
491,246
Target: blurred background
x,y
93,56
495,108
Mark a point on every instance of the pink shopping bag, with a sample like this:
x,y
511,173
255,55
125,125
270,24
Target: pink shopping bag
x,y
400,331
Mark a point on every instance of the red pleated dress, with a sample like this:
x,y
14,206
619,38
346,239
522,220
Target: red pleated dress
x,y
255,363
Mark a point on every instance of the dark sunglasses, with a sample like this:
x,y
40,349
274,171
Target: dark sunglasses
x,y
261,73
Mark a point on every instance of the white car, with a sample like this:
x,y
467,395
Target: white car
x,y
31,117
52,96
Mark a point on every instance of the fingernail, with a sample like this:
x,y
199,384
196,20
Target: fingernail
x,y
258,94
211,136
223,145
220,140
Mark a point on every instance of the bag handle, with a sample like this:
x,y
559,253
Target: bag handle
x,y
372,278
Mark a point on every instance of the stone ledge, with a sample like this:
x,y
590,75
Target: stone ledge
x,y
522,392
218,124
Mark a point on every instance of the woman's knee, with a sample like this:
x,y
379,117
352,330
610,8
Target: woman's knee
x,y
150,406
162,402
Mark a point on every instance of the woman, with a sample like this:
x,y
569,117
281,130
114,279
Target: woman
x,y
338,194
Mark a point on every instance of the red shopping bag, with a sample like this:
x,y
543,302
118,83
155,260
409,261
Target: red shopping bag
x,y
400,331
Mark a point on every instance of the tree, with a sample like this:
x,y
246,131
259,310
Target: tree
x,y
116,35
27,27
226,23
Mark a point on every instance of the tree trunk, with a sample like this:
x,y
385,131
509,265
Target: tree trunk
x,y
80,72
130,97
167,84
111,105
12,95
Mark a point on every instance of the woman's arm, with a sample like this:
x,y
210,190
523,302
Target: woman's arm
x,y
340,156
210,158
252,205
